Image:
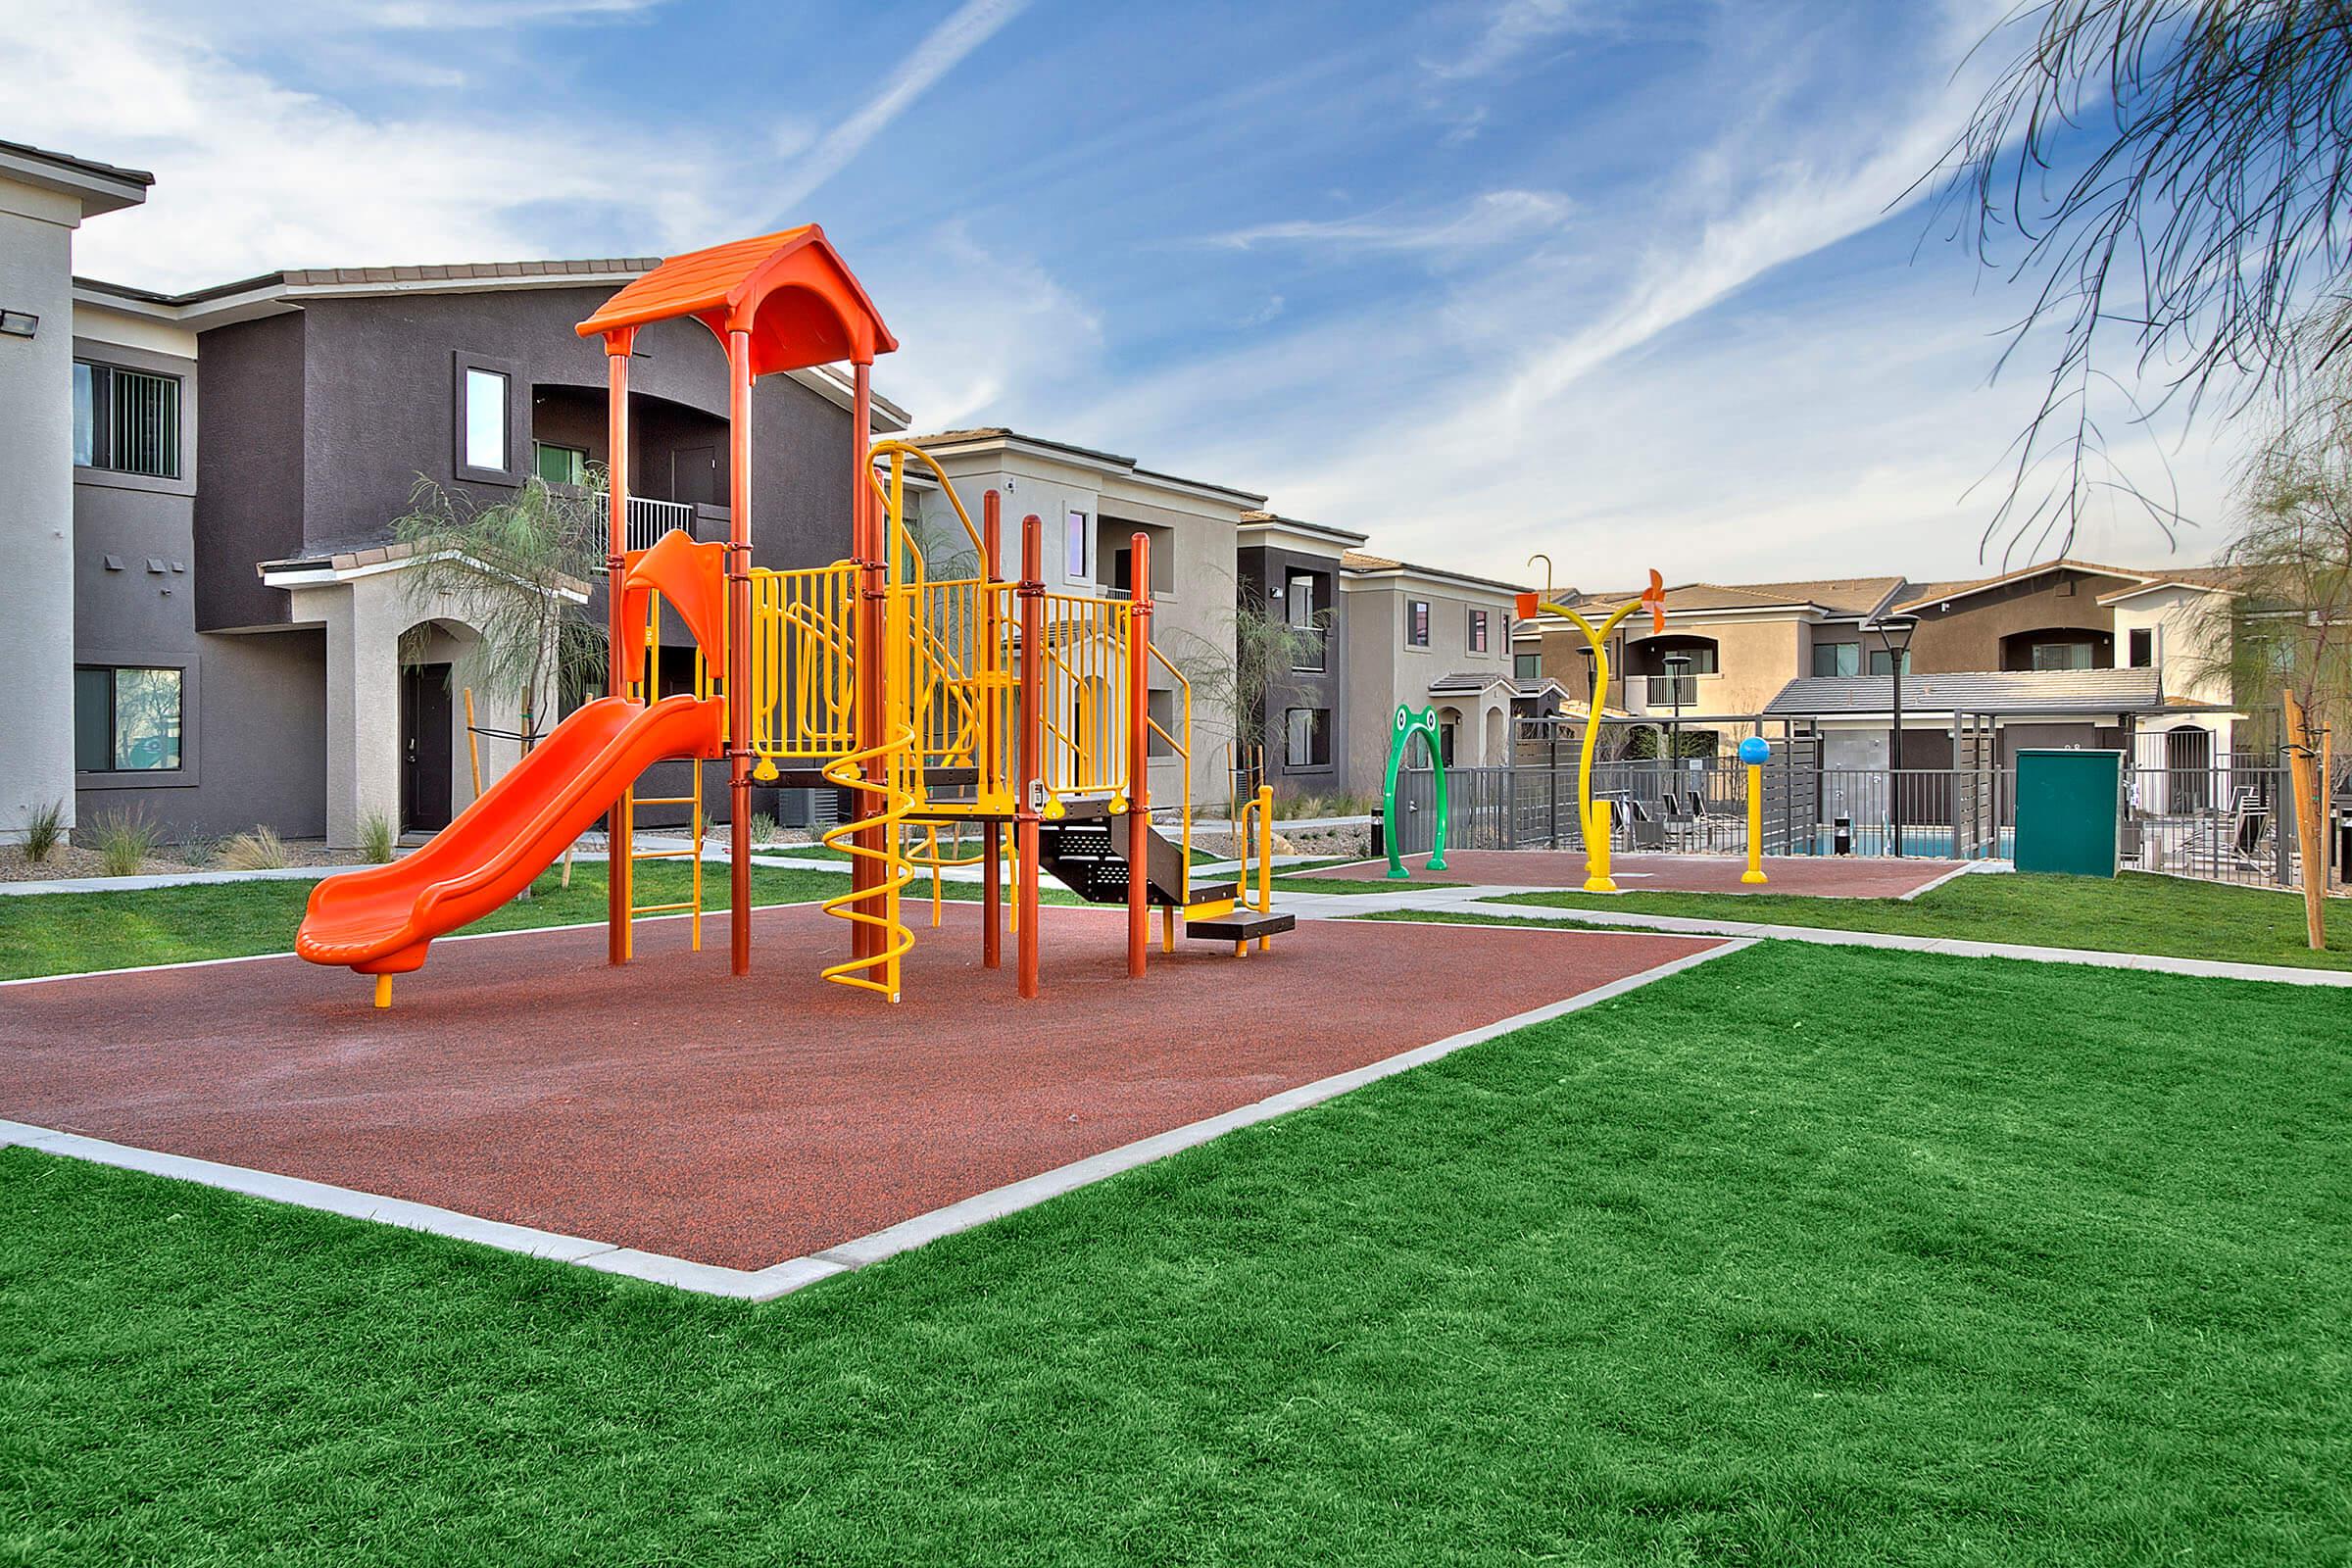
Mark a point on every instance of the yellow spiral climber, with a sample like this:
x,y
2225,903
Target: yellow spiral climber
x,y
857,907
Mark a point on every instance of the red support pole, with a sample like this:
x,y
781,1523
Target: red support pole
x,y
739,651
985,649
1032,719
1139,752
869,548
617,465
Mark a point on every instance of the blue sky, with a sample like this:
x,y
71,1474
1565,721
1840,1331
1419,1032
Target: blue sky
x,y
1631,283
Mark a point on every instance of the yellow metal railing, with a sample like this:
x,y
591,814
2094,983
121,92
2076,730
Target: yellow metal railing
x,y
1181,746
1084,686
804,663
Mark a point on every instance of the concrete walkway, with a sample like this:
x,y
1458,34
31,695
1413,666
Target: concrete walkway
x,y
1480,900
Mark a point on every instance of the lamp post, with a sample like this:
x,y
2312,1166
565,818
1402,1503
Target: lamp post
x,y
1677,665
1895,635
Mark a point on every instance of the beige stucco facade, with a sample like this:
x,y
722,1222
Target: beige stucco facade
x,y
1090,505
1387,670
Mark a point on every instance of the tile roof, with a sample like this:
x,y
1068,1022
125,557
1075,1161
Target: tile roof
x,y
2037,691
1361,562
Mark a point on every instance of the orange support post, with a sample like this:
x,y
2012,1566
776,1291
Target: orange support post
x,y
1032,721
739,652
992,832
617,344
1139,752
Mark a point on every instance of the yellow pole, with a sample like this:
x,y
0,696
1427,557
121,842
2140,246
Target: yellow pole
x,y
383,991
1265,858
474,745
1755,873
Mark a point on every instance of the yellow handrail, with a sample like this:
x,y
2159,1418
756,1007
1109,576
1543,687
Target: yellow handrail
x,y
1182,748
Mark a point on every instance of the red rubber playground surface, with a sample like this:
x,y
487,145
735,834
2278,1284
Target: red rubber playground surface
x,y
1826,876
670,1107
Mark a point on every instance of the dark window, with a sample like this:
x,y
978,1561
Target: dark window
x,y
125,422
1304,618
1837,659
1306,737
1478,631
2143,648
1416,623
561,465
1881,662
125,720
1527,667
2061,656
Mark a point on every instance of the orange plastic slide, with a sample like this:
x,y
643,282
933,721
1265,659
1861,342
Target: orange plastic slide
x,y
382,920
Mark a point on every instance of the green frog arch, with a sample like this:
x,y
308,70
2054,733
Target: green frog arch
x,y
1407,725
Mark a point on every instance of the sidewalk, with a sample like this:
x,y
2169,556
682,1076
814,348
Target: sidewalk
x,y
1475,900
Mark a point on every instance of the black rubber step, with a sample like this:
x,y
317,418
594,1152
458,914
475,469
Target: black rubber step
x,y
1240,926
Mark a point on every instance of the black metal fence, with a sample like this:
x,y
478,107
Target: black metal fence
x,y
2232,822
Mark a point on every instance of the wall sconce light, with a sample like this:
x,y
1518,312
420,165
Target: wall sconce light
x,y
19,323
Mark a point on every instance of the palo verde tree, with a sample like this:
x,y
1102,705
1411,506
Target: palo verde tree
x,y
2285,633
516,572
2171,179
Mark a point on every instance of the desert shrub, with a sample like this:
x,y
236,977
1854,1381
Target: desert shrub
x,y
377,837
124,840
43,830
259,849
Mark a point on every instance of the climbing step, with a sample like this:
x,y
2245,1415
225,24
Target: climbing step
x,y
1240,925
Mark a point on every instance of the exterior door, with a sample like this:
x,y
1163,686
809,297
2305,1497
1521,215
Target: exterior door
x,y
2189,763
694,476
425,750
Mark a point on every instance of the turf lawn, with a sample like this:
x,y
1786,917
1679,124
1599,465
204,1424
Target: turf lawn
x,y
1805,1254
60,933
2136,912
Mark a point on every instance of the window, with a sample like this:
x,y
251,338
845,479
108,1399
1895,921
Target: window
x,y
559,464
1076,539
1478,631
1416,623
1303,615
125,422
126,720
1306,737
1836,659
2061,656
1527,667
485,417
2143,648
1881,662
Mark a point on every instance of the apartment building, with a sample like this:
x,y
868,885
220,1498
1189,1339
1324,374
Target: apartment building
x,y
1290,573
2062,652
245,644
1091,504
1426,637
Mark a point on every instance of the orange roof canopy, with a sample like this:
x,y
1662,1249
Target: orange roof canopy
x,y
791,291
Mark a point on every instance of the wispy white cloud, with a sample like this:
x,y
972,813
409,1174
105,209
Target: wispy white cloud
x,y
253,174
971,25
977,327
1513,28
1489,218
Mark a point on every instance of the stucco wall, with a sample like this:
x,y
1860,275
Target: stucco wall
x,y
1967,634
1383,672
2187,648
36,508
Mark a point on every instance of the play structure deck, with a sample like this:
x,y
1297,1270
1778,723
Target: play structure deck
x,y
949,706
524,1079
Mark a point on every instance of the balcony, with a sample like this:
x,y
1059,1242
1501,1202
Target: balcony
x,y
1665,693
649,520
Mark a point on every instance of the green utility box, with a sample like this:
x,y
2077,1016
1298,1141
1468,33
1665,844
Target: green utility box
x,y
2069,804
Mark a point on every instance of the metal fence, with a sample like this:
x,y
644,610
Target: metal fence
x,y
2231,823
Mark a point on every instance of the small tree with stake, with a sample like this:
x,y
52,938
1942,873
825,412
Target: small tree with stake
x,y
1234,684
2288,627
516,572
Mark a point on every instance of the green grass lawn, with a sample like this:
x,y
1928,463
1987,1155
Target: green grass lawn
x,y
2136,912
58,933
1807,1254
1349,884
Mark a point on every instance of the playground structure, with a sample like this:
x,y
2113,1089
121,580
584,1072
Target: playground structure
x,y
981,700
1588,815
1407,727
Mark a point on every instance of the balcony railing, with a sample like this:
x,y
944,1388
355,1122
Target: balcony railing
x,y
649,520
1669,691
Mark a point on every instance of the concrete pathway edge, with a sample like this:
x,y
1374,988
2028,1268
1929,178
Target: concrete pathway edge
x,y
797,1273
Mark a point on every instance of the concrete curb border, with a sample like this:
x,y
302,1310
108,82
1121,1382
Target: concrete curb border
x,y
797,1273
